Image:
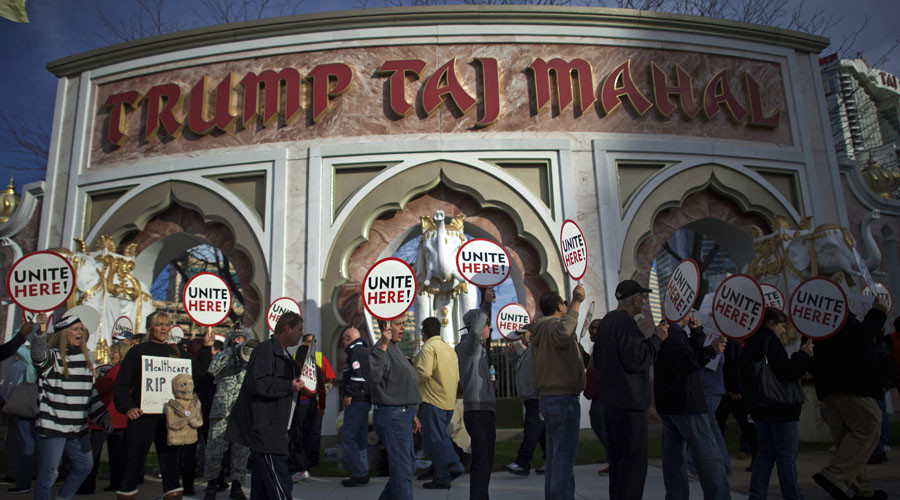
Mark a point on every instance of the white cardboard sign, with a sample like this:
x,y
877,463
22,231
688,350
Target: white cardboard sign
x,y
40,281
818,308
681,290
772,296
738,307
574,249
511,317
207,299
883,293
157,373
279,307
389,288
483,262
863,269
123,324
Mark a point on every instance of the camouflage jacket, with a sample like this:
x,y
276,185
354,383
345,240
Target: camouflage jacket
x,y
229,370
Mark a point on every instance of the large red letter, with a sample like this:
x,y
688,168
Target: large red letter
x,y
562,70
719,93
682,89
159,113
444,82
272,82
396,72
115,134
321,77
490,88
224,114
757,116
619,83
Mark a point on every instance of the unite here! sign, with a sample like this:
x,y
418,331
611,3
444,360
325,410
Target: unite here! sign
x,y
279,307
772,296
40,281
483,262
512,317
681,290
157,373
818,308
737,307
574,249
389,288
207,299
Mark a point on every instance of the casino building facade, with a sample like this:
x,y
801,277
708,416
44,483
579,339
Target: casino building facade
x,y
308,147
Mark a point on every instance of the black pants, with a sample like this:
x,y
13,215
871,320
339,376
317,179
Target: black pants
x,y
534,433
626,447
737,408
481,426
300,438
187,461
270,479
140,434
115,447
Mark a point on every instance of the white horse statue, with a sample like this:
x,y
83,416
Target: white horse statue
x,y
443,292
104,281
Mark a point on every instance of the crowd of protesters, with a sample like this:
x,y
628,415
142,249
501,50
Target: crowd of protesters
x,y
258,412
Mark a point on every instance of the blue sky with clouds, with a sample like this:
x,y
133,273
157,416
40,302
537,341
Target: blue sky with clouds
x,y
60,28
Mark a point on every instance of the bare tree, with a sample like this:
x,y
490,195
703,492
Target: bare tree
x,y
26,138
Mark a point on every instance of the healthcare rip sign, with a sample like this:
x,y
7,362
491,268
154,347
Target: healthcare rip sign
x,y
157,373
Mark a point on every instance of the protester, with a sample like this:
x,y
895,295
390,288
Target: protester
x,y
678,392
437,376
712,378
592,392
776,425
479,399
145,429
559,379
534,431
396,399
67,400
848,385
733,403
306,436
623,364
229,368
22,372
18,339
115,439
355,431
262,415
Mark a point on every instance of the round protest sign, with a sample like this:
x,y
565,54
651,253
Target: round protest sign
x,y
737,307
40,281
123,324
574,249
279,307
512,317
177,331
818,308
207,299
483,262
882,293
772,296
389,288
681,290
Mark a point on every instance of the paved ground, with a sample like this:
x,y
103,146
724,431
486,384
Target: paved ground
x,y
589,485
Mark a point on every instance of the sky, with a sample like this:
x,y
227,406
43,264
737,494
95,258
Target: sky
x,y
60,28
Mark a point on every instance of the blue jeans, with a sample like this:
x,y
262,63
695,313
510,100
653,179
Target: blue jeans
x,y
562,419
437,442
354,437
25,441
885,439
712,403
394,427
695,431
50,450
777,445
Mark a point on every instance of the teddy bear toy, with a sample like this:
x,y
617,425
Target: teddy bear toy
x,y
183,416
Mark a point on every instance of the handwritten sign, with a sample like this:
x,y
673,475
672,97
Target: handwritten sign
x,y
389,288
40,281
863,269
483,262
882,293
574,249
157,373
207,299
818,308
772,296
512,317
123,324
681,290
279,307
737,307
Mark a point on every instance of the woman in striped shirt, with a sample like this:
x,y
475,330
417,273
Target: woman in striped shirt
x,y
67,400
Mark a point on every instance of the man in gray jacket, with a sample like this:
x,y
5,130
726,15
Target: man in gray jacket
x,y
395,396
479,399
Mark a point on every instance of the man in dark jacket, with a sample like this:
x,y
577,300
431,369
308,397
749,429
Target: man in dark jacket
x,y
848,385
623,365
682,407
355,431
262,415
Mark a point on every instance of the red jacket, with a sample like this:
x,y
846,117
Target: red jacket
x,y
104,385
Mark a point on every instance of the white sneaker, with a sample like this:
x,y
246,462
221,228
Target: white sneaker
x,y
832,449
887,447
300,476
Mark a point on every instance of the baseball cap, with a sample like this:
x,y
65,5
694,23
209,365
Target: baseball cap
x,y
628,288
